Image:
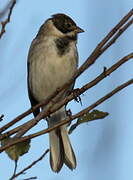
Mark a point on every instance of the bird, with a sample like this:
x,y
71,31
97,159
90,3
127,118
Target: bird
x,y
52,61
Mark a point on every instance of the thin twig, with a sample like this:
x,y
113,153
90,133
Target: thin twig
x,y
116,28
13,131
117,35
30,178
98,50
31,165
69,119
4,23
6,8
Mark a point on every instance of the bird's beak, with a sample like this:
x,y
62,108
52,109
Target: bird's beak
x,y
79,30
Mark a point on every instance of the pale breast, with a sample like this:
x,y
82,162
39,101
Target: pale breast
x,y
48,69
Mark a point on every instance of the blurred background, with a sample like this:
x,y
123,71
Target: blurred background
x,y
104,148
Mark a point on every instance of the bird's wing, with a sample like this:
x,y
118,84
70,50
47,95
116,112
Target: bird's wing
x,y
33,101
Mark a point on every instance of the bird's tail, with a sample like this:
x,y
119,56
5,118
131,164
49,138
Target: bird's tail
x,y
60,147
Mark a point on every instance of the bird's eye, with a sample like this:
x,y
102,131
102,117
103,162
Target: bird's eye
x,y
68,25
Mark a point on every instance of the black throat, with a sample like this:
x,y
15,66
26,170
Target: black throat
x,y
62,44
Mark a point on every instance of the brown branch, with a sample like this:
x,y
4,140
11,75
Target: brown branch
x,y
4,23
31,165
117,35
72,96
30,178
69,119
18,118
91,59
13,131
116,28
98,50
6,8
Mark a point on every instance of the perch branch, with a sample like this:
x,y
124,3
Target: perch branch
x,y
69,119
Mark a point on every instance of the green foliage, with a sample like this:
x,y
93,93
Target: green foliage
x,y
90,116
15,151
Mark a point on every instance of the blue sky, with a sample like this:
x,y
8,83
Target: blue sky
x,y
104,148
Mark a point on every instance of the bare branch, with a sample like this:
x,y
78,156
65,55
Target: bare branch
x,y
31,165
116,28
13,131
98,50
4,23
6,8
117,35
69,119
30,178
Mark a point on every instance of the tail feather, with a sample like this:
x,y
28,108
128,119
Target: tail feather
x,y
60,147
69,156
56,154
